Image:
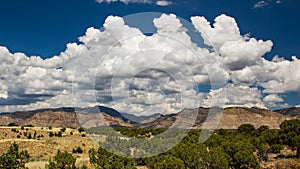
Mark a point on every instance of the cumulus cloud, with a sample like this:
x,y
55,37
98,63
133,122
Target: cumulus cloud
x,y
272,98
120,67
237,95
236,51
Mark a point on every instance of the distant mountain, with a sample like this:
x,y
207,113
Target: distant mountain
x,y
64,117
229,118
292,112
45,117
141,119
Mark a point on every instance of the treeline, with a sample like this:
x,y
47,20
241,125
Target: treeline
x,y
246,147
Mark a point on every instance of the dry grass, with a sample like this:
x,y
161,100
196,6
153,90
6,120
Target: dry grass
x,y
43,148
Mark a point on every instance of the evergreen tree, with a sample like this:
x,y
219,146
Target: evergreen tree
x,y
13,159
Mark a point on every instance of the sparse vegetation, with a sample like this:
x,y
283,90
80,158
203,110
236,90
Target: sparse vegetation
x,y
245,147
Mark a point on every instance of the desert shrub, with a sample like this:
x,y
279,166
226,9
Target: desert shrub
x,y
276,148
80,129
62,160
77,150
29,136
28,125
59,134
12,124
51,134
63,129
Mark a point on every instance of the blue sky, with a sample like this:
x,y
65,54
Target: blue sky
x,y
44,28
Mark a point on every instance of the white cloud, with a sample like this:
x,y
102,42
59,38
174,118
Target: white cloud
x,y
224,30
149,74
261,4
267,3
236,51
163,3
272,98
157,2
237,95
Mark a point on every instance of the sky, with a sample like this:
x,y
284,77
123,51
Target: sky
x,y
149,56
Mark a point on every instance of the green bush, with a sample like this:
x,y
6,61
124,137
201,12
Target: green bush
x,y
62,160
13,158
59,134
51,134
80,129
276,148
12,124
63,129
246,129
77,150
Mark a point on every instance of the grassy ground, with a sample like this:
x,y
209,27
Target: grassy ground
x,y
42,147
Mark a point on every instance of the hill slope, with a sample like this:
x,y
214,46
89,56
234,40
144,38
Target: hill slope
x,y
229,118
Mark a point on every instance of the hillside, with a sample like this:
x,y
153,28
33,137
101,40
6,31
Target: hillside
x,y
230,118
65,117
292,112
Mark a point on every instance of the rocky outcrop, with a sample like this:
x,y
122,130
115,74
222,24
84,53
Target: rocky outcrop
x,y
229,118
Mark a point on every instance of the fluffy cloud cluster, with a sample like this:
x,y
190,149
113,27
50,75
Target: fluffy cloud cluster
x,y
236,51
157,2
120,67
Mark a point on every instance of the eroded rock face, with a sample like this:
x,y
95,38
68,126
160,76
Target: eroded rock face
x,y
61,118
231,118
45,118
292,112
101,119
55,119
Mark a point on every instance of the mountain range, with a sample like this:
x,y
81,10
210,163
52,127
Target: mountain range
x,y
228,118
